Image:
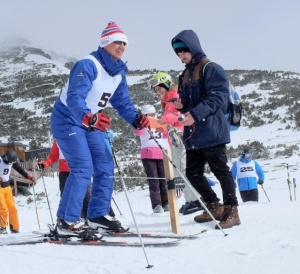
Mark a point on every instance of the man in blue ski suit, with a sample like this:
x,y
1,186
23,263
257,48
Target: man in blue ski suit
x,y
78,123
246,171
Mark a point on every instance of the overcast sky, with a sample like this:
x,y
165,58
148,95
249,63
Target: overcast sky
x,y
237,34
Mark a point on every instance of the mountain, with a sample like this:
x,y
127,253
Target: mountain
x,y
31,79
29,83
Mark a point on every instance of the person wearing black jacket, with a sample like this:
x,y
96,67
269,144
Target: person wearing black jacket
x,y
7,203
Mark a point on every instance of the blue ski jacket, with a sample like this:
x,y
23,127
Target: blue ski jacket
x,y
95,82
77,108
248,182
205,101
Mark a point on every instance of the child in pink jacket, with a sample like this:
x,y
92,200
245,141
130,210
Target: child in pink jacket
x,y
152,159
161,84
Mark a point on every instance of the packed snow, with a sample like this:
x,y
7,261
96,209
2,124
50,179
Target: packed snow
x,y
267,241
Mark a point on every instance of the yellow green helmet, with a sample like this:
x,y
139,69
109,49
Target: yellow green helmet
x,y
160,79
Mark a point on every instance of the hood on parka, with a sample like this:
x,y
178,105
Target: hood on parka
x,y
190,38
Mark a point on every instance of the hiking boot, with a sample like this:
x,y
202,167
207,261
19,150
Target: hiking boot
x,y
166,208
216,209
78,229
191,207
158,209
3,230
106,222
230,217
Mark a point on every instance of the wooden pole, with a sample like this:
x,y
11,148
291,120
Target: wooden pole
x,y
169,173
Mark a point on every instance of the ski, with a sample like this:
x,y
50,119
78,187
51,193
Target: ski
x,y
154,235
52,237
113,243
70,241
106,233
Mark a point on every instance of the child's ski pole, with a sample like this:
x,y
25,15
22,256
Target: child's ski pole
x,y
265,192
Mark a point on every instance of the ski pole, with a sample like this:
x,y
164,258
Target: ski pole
x,y
126,195
116,205
34,197
186,181
46,196
294,183
265,192
289,182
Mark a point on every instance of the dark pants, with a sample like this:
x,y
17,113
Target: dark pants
x,y
157,187
249,195
62,181
217,160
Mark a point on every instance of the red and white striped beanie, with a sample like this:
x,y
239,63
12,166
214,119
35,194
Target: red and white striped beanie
x,y
112,33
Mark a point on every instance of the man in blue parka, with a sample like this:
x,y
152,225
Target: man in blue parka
x,y
78,123
203,102
246,170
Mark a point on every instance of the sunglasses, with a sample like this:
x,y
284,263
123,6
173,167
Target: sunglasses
x,y
181,50
153,83
248,154
120,43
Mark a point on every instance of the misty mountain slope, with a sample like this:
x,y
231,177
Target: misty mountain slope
x,y
30,82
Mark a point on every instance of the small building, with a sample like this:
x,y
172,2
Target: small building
x,y
41,154
18,147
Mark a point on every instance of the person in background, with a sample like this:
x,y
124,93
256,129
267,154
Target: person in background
x,y
246,170
8,210
202,103
152,159
78,121
162,84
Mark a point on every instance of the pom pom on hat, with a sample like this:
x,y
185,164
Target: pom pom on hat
x,y
111,34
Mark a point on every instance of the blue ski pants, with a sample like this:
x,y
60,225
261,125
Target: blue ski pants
x,y
88,156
